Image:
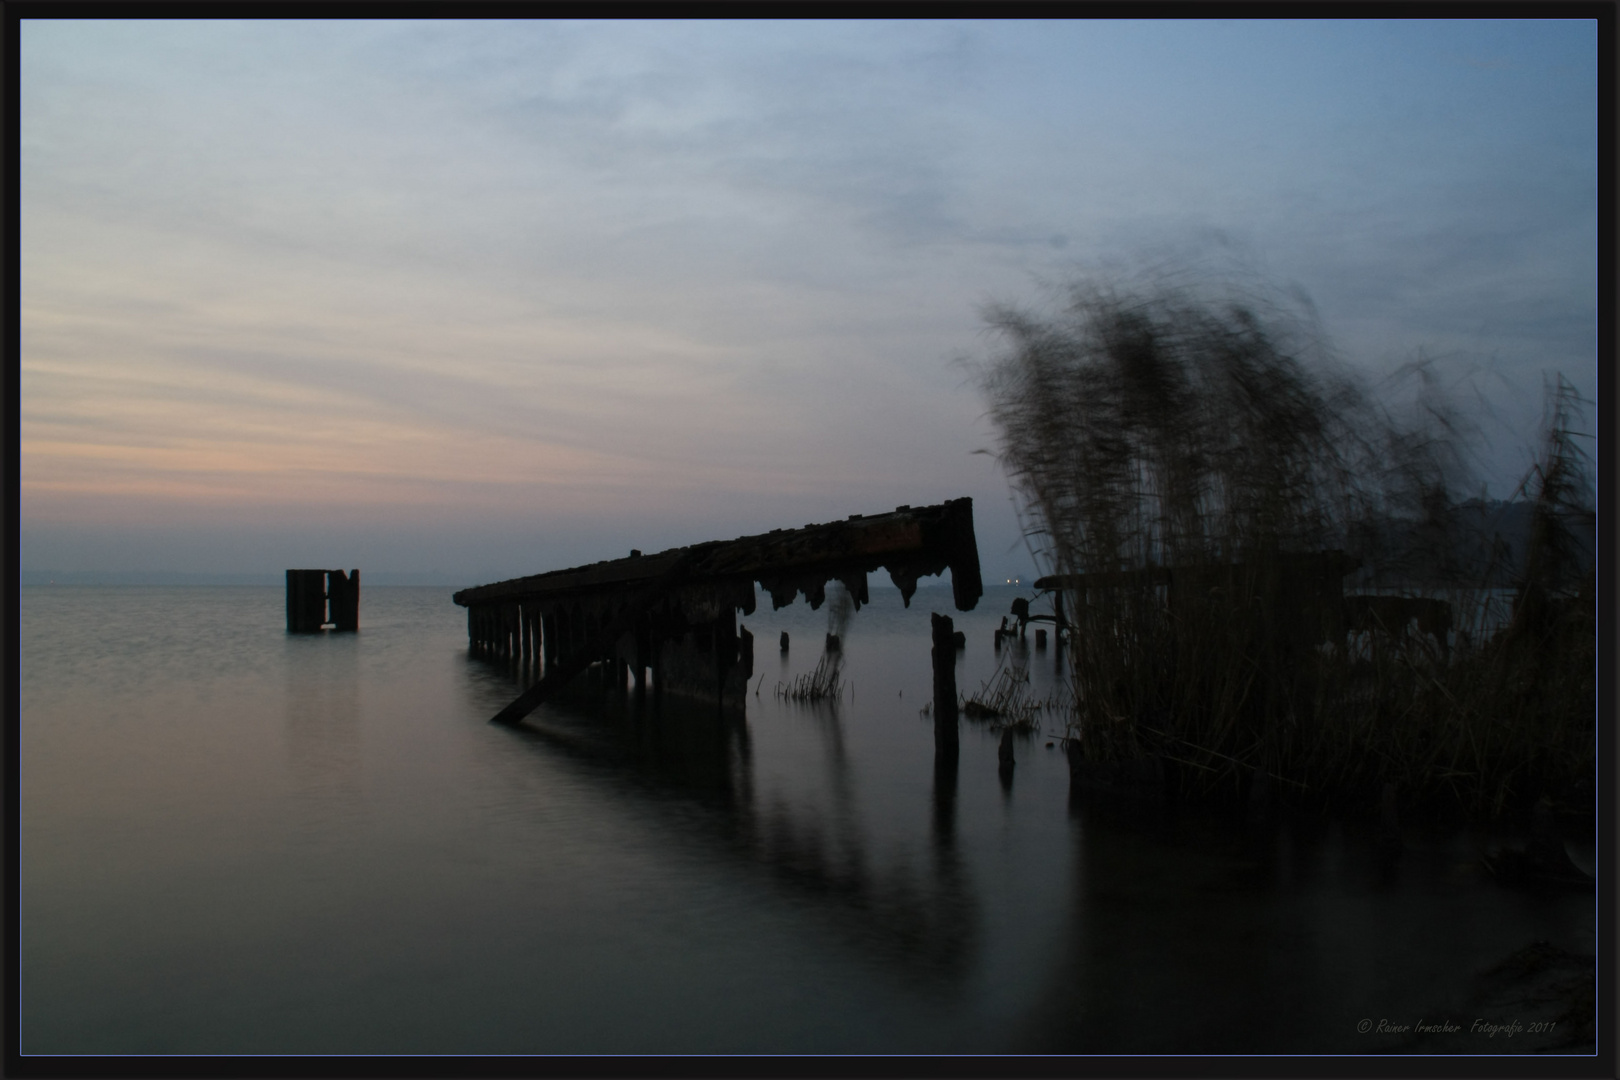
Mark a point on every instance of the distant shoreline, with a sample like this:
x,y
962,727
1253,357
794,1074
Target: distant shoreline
x,y
29,579
378,579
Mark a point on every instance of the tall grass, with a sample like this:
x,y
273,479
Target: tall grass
x,y
826,682
1210,433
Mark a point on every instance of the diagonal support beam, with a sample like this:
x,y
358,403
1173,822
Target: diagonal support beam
x,y
531,699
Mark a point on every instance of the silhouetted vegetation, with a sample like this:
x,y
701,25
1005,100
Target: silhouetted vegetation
x,y
1005,698
826,682
1206,479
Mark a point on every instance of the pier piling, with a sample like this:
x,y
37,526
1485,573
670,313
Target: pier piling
x,y
944,657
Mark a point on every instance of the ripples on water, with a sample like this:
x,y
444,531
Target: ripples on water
x,y
236,840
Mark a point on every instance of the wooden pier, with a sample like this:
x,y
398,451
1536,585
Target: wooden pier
x,y
675,612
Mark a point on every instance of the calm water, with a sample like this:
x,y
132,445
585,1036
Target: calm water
x,y
234,840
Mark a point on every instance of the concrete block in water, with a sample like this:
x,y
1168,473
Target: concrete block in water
x,y
317,597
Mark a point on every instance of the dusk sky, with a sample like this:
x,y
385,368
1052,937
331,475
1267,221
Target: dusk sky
x,y
484,299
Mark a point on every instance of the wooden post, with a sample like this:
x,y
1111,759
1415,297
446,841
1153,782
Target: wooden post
x,y
944,656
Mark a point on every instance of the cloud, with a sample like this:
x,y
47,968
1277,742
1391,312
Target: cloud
x,y
625,270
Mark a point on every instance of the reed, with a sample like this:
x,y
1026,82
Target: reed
x,y
825,683
1005,698
1210,430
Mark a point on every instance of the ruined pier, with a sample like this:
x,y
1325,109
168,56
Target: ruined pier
x,y
671,618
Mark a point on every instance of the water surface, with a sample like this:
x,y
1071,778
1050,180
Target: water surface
x,y
234,840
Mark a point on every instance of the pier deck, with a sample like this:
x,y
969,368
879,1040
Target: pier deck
x,y
675,612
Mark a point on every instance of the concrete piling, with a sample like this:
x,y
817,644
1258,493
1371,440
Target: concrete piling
x,y
318,597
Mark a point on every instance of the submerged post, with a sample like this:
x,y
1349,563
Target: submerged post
x,y
944,655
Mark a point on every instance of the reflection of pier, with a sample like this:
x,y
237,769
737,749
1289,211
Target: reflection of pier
x,y
919,919
675,613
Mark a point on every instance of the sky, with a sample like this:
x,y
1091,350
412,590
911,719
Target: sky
x,y
482,299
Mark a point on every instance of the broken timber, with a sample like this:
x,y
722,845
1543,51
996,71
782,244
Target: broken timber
x,y
676,611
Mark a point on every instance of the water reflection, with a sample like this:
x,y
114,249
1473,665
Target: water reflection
x,y
1207,935
322,720
958,907
946,767
1112,929
920,921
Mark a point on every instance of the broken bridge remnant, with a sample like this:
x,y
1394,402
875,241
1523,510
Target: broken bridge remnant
x,y
1303,592
311,592
675,611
